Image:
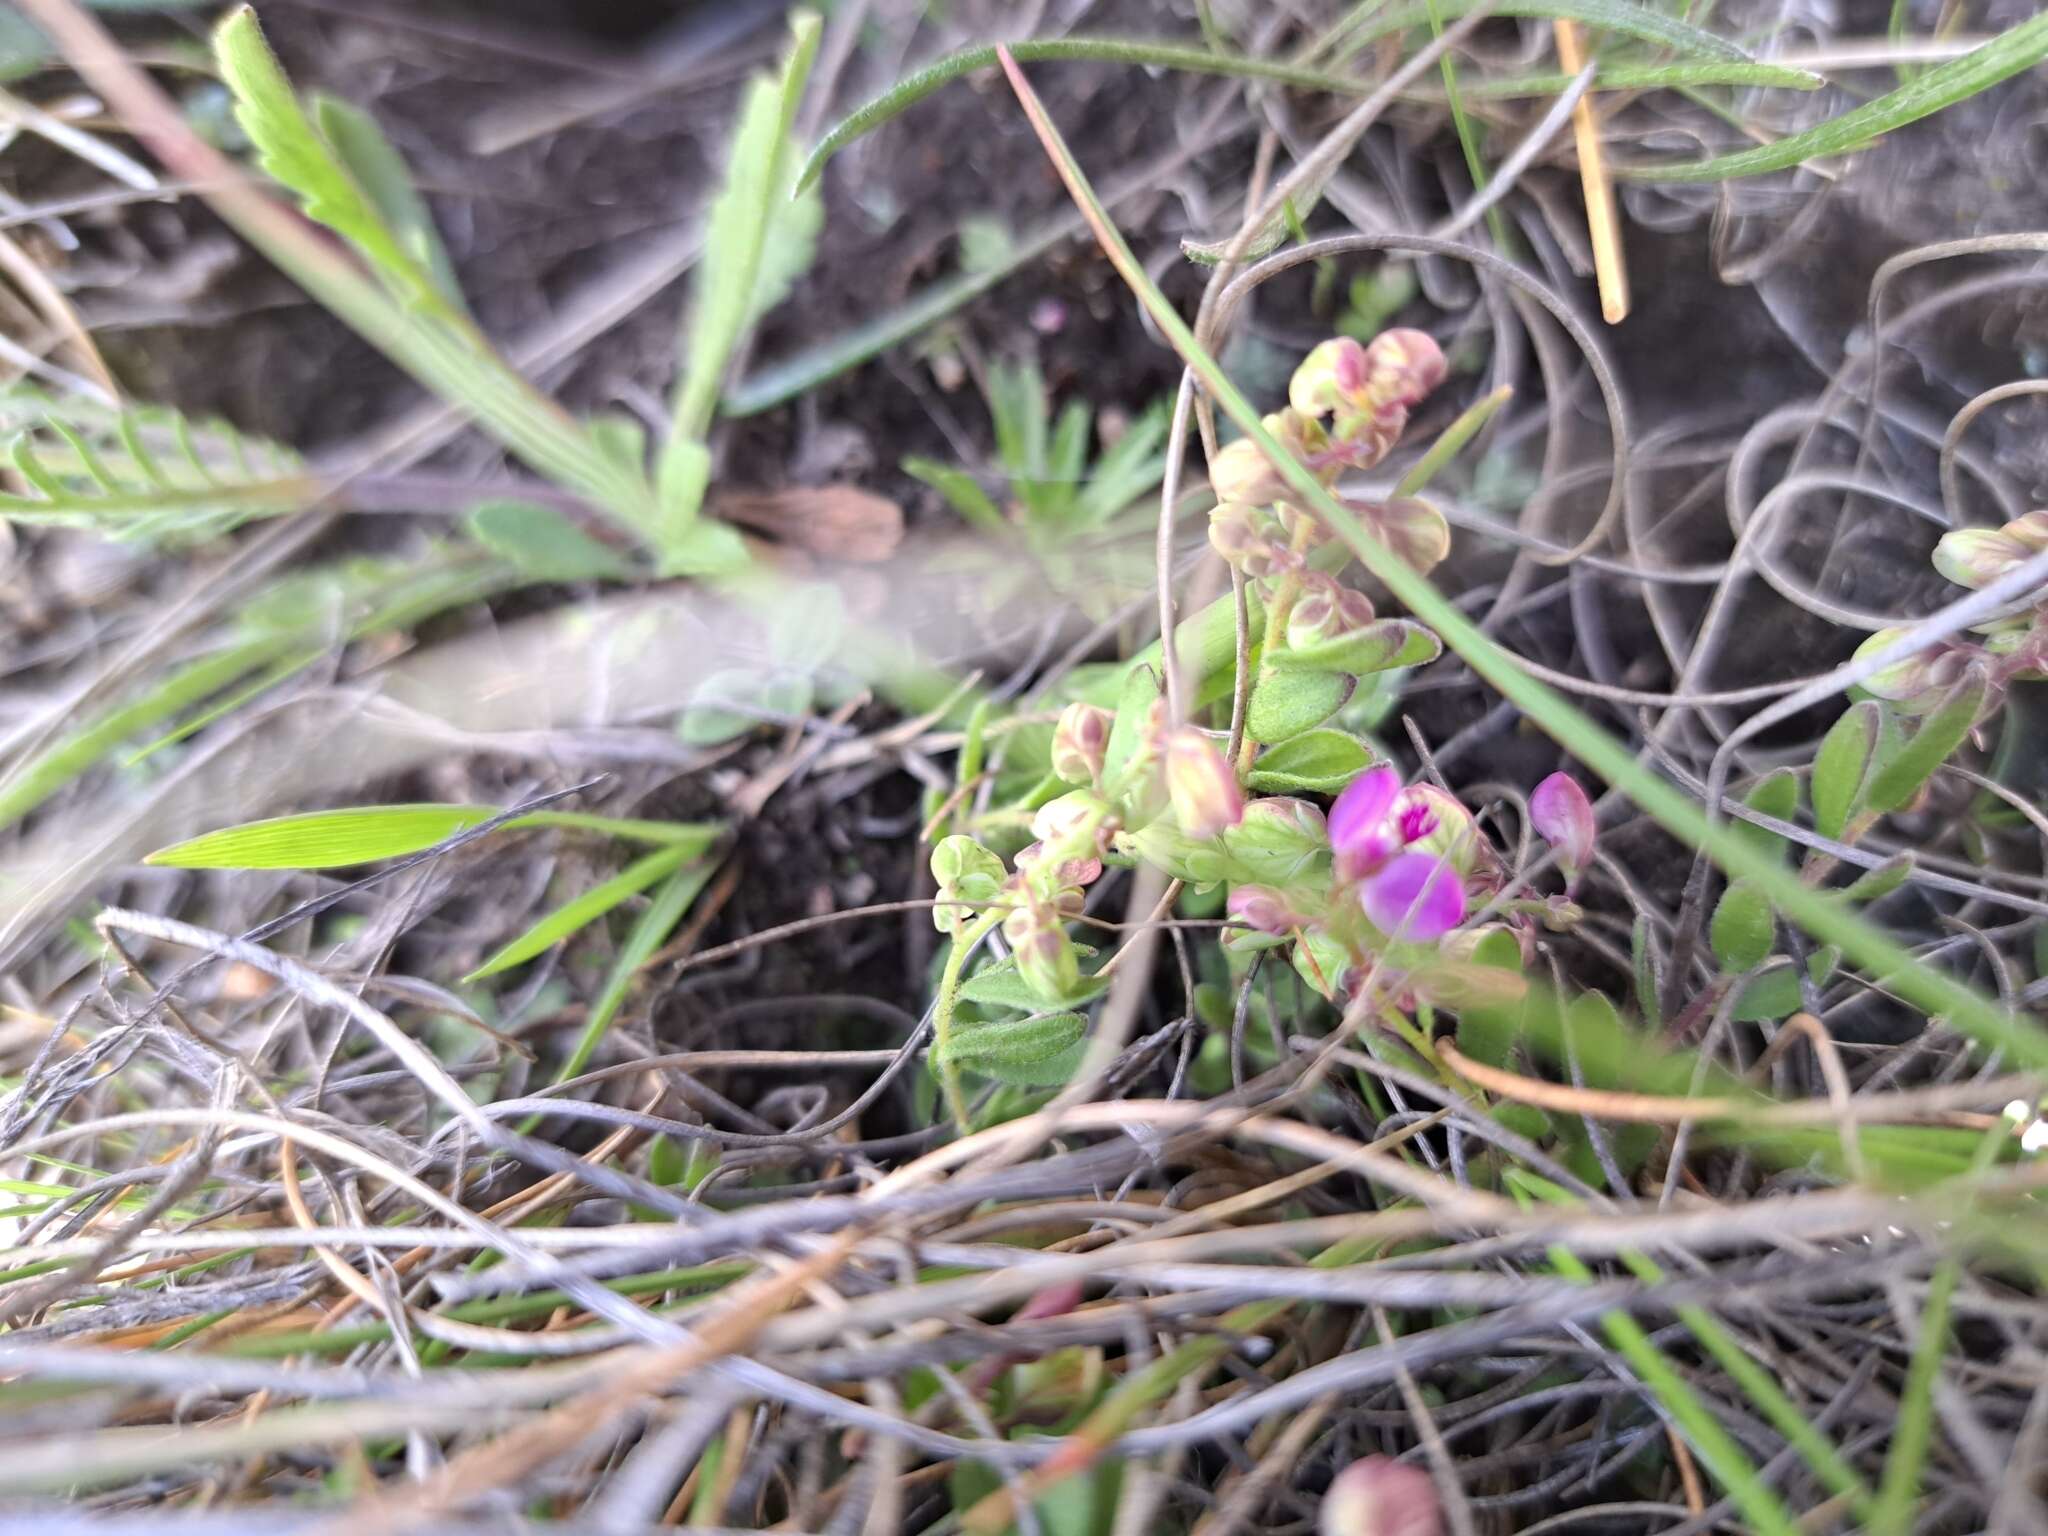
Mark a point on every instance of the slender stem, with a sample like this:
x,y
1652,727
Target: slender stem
x,y
1277,614
964,943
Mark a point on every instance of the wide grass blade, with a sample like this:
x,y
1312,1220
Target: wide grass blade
x,y
367,833
1880,955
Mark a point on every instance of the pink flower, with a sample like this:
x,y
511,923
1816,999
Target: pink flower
x,y
1266,910
1563,817
1380,1497
1201,785
1416,895
1361,833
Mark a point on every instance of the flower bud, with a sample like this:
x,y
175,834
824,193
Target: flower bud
x,y
1410,527
1329,377
1245,538
1917,682
1563,817
1976,557
1257,906
1402,367
1080,741
1380,1497
1241,475
1165,847
966,872
1201,785
1278,840
1315,616
1046,958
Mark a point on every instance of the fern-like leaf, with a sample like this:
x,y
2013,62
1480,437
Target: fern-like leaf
x,y
145,472
300,157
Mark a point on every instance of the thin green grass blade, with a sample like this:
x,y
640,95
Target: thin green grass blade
x,y
649,933
1649,77
1724,65
1724,1459
2008,54
584,910
1828,921
1375,20
1900,1486
1452,440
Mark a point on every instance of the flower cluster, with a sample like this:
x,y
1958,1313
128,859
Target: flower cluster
x,y
1347,406
1177,780
1406,866
2013,647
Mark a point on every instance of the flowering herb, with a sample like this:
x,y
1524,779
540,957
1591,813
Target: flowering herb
x,y
1380,885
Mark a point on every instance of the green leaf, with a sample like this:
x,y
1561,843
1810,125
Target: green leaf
x,y
1899,1488
1000,986
1374,647
1742,928
543,545
1776,795
756,237
1647,972
1284,704
962,492
376,166
1487,1031
325,839
1902,771
1315,762
1040,1050
1141,689
294,152
730,703
1777,993
649,932
575,915
1881,881
401,312
2006,55
1842,767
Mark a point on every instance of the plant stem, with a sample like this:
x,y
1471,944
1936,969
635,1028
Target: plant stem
x,y
964,943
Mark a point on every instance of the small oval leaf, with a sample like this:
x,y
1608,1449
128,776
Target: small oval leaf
x,y
1742,928
1284,704
1776,795
541,543
1038,1051
1317,762
1903,771
1000,986
1375,647
1842,767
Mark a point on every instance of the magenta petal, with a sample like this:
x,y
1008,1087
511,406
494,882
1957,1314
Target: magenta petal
x,y
1416,896
1563,816
1358,831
